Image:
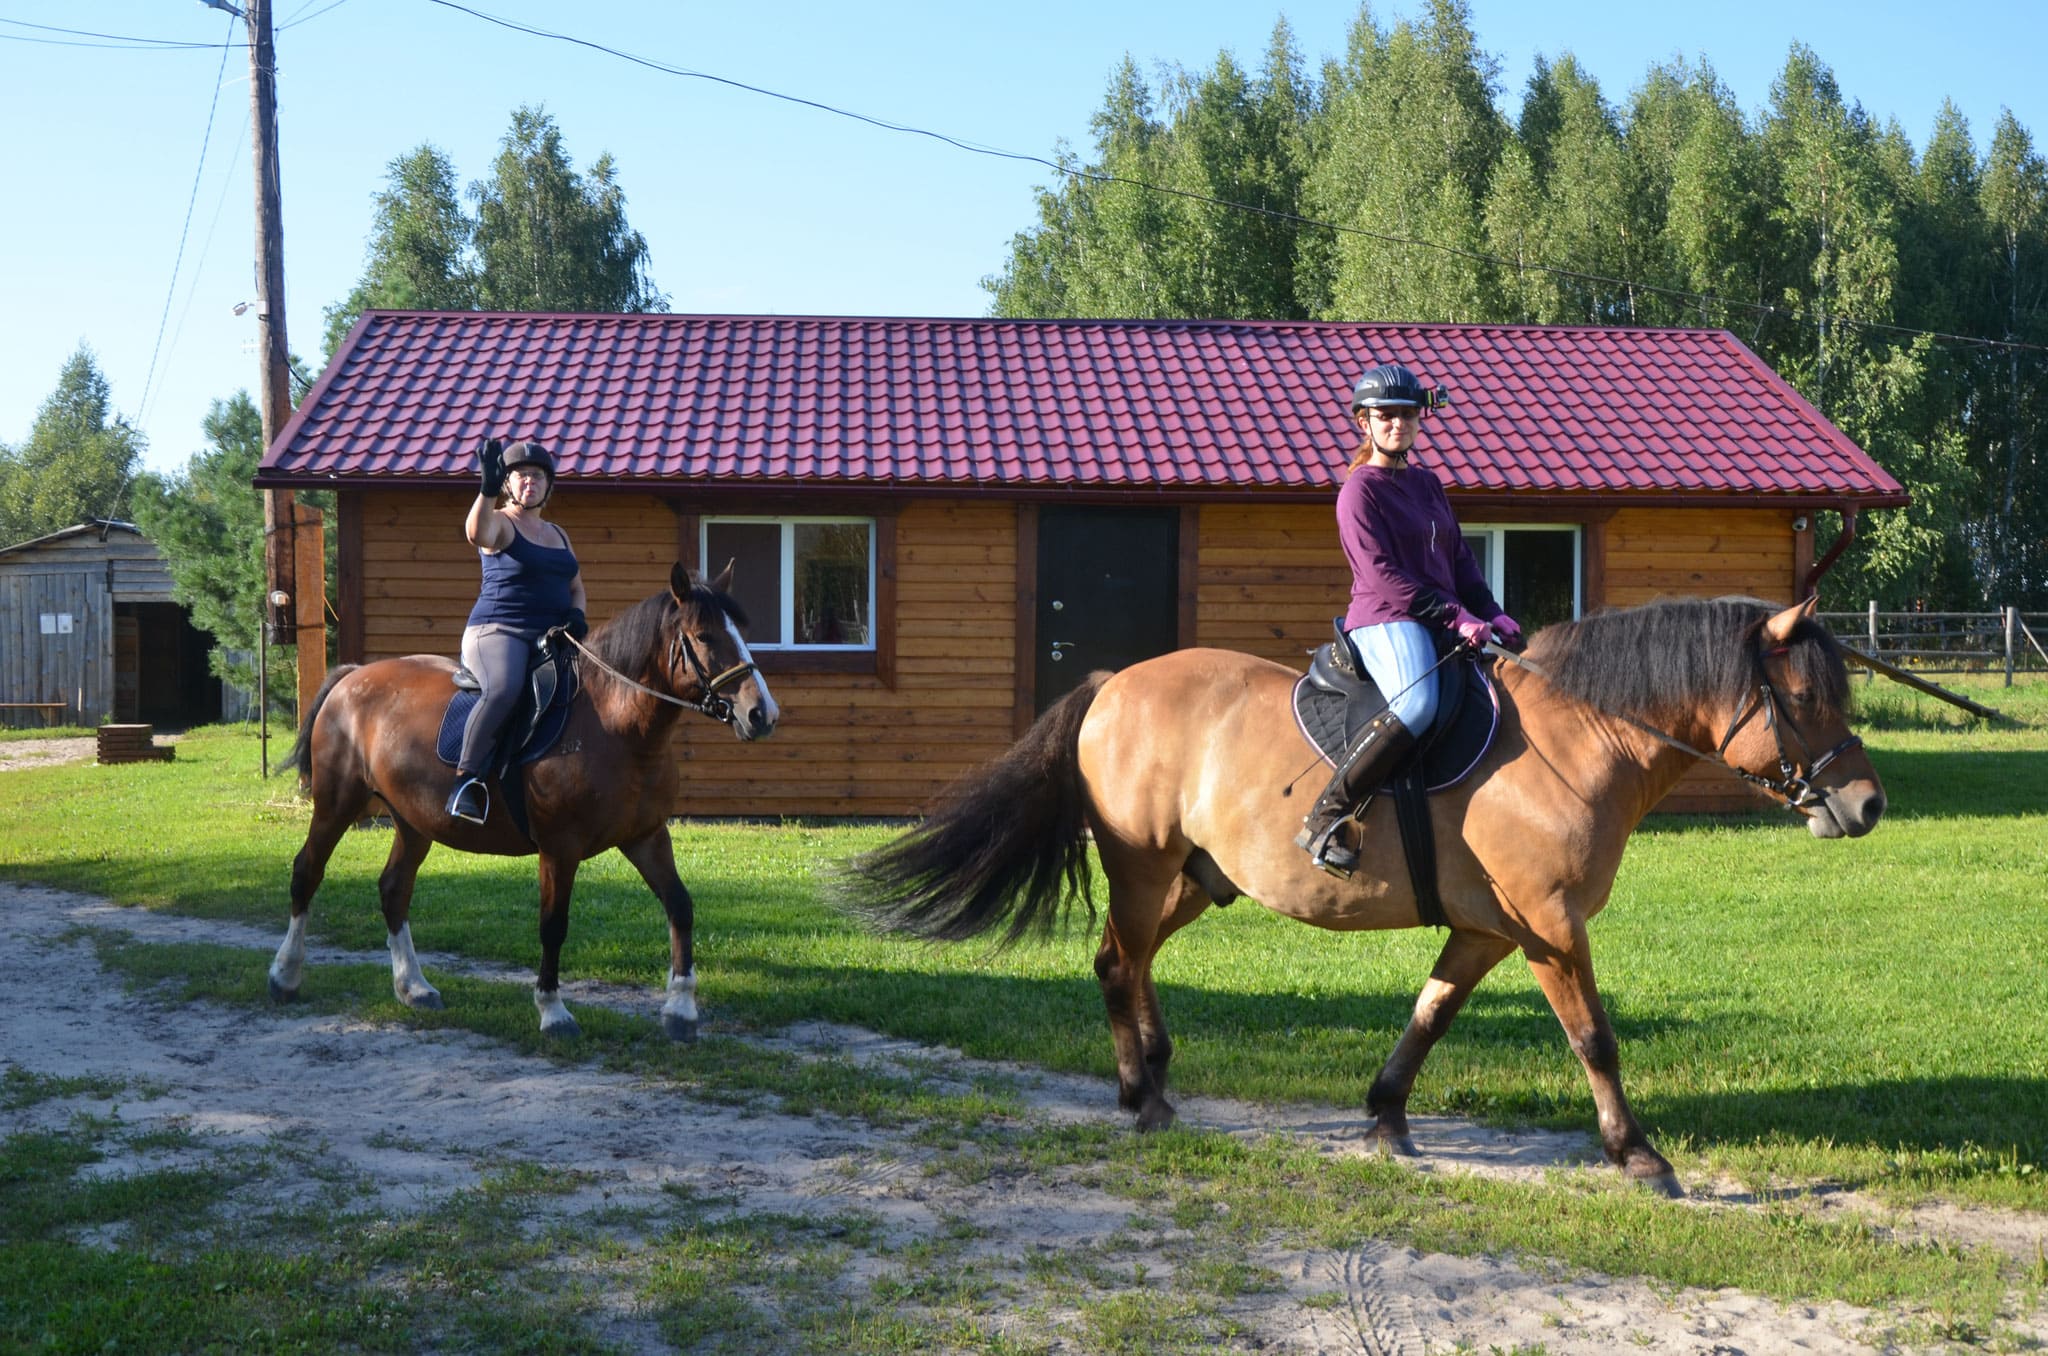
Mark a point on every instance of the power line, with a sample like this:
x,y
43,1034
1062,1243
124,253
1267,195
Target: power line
x,y
113,39
1763,310
148,382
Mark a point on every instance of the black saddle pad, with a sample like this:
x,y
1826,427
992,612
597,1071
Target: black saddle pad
x,y
1331,707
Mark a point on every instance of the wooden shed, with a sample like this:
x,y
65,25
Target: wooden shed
x,y
940,525
87,620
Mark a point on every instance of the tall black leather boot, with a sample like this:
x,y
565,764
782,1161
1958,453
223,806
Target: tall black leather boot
x,y
1381,746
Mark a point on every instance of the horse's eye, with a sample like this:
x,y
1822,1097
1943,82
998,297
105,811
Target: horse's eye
x,y
705,638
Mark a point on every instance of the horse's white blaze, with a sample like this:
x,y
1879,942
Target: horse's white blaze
x,y
682,996
291,957
552,1013
408,980
769,710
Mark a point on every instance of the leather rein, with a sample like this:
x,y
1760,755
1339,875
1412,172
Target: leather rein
x,y
1792,786
713,703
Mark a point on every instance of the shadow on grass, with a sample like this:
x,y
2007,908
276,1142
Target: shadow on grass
x,y
1965,783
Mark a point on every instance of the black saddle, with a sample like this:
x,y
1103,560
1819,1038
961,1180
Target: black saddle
x,y
1335,700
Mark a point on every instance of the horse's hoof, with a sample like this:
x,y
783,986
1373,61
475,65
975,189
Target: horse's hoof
x,y
1157,1116
1665,1184
1396,1146
429,1001
681,1030
280,994
564,1029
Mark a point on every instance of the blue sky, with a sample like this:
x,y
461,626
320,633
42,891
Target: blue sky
x,y
748,204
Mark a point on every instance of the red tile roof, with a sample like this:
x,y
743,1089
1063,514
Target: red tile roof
x,y
1199,406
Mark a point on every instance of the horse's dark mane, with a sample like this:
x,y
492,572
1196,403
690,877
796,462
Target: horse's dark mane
x,y
627,639
1680,653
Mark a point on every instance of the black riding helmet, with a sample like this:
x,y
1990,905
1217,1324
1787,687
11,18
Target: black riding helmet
x,y
530,453
1390,385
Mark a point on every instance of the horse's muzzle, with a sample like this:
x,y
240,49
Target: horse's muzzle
x,y
756,722
1846,811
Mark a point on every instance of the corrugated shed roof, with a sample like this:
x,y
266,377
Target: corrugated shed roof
x,y
1092,405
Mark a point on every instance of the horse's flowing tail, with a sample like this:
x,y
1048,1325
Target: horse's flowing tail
x,y
1006,842
301,756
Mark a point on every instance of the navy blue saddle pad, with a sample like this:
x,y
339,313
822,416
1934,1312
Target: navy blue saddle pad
x,y
1331,707
448,745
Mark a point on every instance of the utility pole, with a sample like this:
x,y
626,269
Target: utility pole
x,y
279,514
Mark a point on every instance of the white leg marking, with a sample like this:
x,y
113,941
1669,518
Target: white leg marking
x,y
682,997
554,1018
408,981
291,959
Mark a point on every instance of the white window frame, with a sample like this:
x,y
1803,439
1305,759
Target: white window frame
x,y
786,604
1497,556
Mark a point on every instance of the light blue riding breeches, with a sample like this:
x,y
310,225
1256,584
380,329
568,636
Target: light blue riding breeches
x,y
1401,658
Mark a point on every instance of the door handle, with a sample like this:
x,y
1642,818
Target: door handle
x,y
1058,647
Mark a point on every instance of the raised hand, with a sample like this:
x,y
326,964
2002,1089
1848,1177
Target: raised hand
x,y
490,465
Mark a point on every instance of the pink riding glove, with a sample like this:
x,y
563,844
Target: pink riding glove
x,y
1508,632
1471,630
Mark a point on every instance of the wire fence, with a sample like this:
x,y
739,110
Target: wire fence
x,y
2006,641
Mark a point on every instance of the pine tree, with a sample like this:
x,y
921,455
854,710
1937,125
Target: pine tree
x,y
420,255
78,461
550,239
207,522
1408,143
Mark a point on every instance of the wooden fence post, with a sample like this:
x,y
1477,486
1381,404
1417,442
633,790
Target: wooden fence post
x,y
2012,615
1870,675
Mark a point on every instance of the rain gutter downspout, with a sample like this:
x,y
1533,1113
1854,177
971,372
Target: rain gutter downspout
x,y
1826,562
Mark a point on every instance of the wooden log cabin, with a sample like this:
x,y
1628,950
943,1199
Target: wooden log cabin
x,y
940,525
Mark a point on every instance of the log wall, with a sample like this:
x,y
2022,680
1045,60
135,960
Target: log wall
x,y
1267,580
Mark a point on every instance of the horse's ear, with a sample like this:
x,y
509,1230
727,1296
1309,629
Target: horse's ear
x,y
723,584
679,580
1778,630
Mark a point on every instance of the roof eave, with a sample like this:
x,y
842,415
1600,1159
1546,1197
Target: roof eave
x,y
725,487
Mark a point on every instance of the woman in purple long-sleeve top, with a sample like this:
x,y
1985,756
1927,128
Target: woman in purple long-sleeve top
x,y
1412,579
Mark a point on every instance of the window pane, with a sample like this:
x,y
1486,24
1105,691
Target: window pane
x,y
832,603
756,552
1480,544
1540,582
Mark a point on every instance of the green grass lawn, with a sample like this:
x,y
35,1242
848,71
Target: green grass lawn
x,y
1873,1013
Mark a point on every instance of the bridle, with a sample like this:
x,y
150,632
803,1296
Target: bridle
x,y
712,703
1792,786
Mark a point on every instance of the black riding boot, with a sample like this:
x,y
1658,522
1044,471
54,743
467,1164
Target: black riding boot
x,y
1381,746
469,800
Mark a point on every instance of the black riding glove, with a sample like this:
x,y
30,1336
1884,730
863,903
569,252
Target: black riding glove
x,y
578,626
490,465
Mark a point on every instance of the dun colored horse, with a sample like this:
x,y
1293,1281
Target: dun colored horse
x,y
609,781
1182,769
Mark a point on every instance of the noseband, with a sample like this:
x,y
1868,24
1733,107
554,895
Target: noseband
x,y
713,703
1792,786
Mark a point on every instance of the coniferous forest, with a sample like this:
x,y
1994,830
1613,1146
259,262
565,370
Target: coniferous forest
x,y
1902,289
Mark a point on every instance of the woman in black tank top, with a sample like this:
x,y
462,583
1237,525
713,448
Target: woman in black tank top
x,y
531,584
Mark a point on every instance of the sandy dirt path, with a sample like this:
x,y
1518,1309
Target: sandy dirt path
x,y
411,1112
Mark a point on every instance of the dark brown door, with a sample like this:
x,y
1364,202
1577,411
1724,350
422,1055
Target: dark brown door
x,y
1108,592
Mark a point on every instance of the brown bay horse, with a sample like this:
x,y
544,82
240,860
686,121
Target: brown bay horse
x,y
1181,769
610,780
